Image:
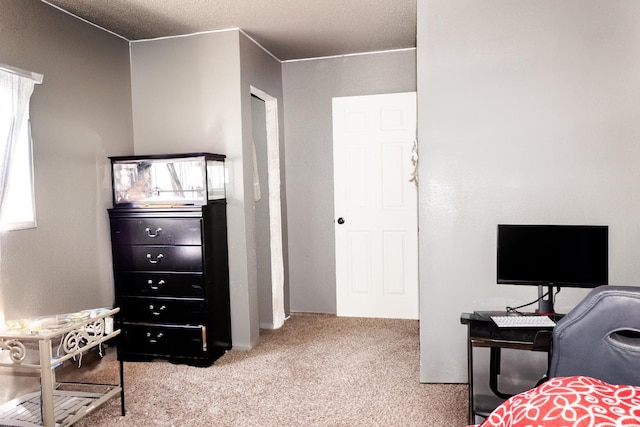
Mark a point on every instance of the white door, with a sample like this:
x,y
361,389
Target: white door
x,y
376,213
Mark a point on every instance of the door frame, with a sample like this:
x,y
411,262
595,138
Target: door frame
x,y
275,207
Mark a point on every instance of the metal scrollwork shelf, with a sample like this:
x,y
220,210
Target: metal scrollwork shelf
x,y
58,403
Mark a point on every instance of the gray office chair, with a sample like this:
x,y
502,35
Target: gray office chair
x,y
600,337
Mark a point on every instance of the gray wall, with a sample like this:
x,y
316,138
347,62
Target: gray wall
x,y
80,115
192,93
527,114
308,89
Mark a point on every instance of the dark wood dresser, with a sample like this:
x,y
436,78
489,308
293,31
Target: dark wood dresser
x,y
171,274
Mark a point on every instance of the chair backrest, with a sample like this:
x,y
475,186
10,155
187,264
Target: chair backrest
x,y
600,337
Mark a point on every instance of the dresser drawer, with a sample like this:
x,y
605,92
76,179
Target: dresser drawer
x,y
171,275
163,340
156,231
189,285
157,258
162,310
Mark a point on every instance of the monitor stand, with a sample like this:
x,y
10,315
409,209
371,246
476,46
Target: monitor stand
x,y
545,306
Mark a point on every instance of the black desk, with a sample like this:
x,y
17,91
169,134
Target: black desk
x,y
482,332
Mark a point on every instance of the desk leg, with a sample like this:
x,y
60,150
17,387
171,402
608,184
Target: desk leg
x,y
494,372
470,376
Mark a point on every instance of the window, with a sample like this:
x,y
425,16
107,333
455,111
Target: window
x,y
17,203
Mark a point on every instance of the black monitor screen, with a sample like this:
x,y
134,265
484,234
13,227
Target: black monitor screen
x,y
562,255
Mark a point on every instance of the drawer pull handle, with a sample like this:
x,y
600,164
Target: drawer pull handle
x,y
155,340
154,261
154,234
157,312
204,338
155,287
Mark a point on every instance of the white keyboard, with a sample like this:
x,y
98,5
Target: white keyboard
x,y
523,321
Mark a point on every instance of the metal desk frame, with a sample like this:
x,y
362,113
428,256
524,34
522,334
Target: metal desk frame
x,y
482,332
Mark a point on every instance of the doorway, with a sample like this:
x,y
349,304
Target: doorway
x,y
268,214
376,206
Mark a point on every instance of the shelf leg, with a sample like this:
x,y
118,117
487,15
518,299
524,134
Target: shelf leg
x,y
46,383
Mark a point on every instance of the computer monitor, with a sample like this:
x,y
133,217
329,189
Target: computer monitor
x,y
552,256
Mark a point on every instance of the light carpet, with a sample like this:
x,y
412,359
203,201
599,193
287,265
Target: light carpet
x,y
317,370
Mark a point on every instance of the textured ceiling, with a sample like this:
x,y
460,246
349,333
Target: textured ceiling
x,y
289,29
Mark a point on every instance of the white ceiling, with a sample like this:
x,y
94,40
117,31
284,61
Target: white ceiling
x,y
289,29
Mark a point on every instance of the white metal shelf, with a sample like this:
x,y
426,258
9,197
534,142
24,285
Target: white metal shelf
x,y
64,403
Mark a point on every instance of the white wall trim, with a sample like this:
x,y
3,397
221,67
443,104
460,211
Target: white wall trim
x,y
211,32
259,45
346,55
225,30
84,20
177,36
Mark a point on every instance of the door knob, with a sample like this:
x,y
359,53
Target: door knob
x,y
340,220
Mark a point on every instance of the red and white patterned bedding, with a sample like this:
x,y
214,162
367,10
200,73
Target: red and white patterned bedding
x,y
570,402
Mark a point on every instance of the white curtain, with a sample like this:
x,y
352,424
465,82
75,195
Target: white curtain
x,y
16,88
